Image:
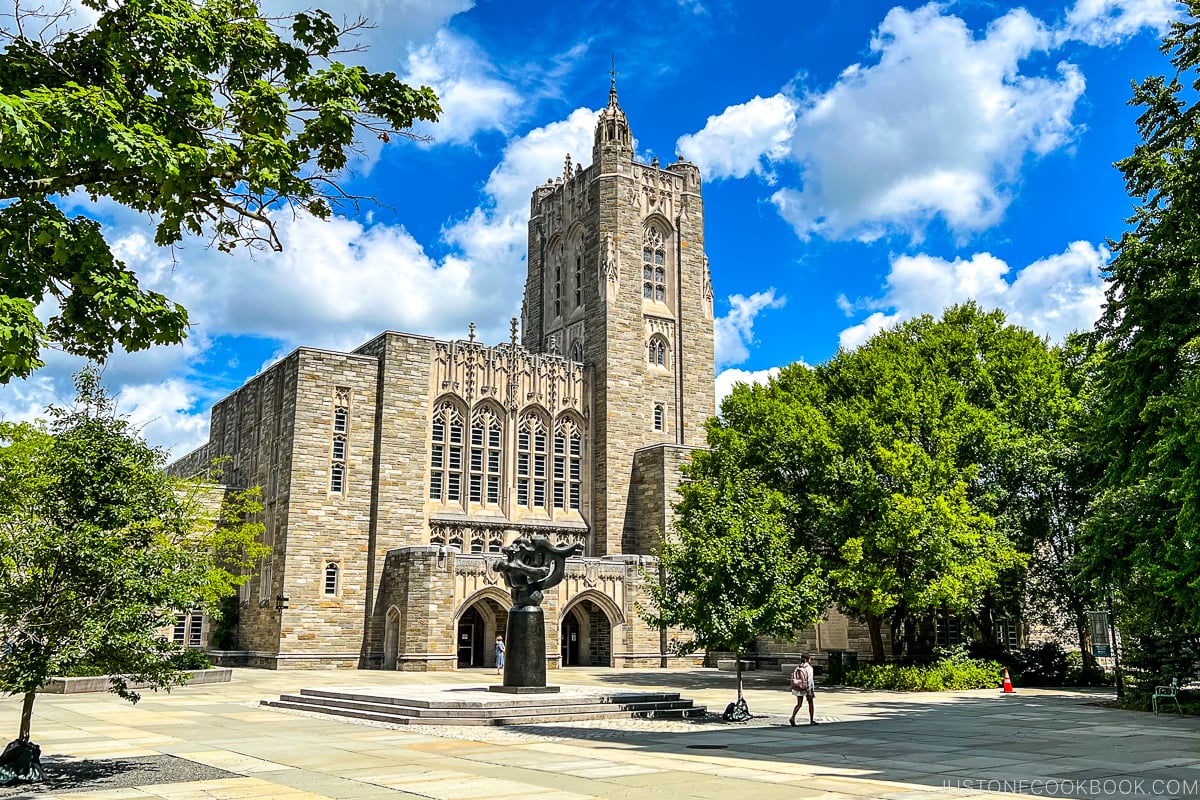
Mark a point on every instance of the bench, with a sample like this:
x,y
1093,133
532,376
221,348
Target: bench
x,y
1167,693
730,665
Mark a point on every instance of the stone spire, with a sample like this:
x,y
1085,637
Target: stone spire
x,y
612,129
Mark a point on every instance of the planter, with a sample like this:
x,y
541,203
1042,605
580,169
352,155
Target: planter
x,y
101,683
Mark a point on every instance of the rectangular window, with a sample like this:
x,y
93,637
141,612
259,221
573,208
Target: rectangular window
x,y
493,461
437,456
339,449
456,434
523,439
453,487
523,492
435,486
179,635
476,461
559,495
337,479
455,458
560,467
539,494
539,466
560,444
477,437
195,630
439,431
576,447
539,442
341,420
494,437
476,488
575,496
575,470
523,464
493,490
331,579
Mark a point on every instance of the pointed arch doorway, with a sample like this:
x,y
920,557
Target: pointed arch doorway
x,y
586,634
478,623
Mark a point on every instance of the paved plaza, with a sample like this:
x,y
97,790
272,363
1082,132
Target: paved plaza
x,y
216,742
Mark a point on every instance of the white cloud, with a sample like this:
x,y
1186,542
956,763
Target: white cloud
x,y
742,139
472,97
728,378
735,331
1107,22
938,127
1052,296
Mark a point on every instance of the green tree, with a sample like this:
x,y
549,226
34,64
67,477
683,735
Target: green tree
x,y
898,461
99,548
202,114
732,571
1142,537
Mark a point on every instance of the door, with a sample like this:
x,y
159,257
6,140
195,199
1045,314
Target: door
x,y
570,640
468,629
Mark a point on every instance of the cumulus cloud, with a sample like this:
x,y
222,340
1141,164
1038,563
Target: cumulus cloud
x,y
1052,296
472,96
742,139
727,379
734,331
937,127
1107,22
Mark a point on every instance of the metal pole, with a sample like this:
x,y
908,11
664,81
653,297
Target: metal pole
x,y
1112,627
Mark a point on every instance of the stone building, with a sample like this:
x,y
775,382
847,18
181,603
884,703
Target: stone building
x,y
392,475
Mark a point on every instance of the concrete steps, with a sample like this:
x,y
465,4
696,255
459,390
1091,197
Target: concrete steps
x,y
480,707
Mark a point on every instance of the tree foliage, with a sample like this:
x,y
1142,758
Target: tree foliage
x,y
99,549
732,572
201,113
1142,536
908,464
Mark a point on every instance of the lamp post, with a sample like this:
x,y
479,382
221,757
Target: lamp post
x,y
1112,626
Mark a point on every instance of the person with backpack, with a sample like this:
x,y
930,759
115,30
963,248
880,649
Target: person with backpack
x,y
802,687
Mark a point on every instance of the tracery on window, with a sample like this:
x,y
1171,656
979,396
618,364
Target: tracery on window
x,y
446,454
657,351
654,261
568,465
485,458
532,446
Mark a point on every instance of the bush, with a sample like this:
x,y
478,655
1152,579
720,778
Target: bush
x,y
949,674
1040,665
191,659
1094,675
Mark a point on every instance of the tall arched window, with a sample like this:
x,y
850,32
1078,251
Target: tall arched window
x,y
657,355
332,574
660,416
578,274
556,288
654,265
577,351
446,454
531,462
568,467
486,457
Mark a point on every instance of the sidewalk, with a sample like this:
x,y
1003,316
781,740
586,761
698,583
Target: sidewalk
x,y
872,744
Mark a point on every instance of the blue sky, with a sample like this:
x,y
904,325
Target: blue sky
x,y
863,162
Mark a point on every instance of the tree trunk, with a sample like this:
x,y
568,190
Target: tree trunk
x,y
737,657
875,626
987,626
1085,642
26,716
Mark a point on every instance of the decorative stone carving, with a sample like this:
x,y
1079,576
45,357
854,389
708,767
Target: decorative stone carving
x,y
610,275
708,290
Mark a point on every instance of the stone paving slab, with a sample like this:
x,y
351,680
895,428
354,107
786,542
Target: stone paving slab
x,y
871,745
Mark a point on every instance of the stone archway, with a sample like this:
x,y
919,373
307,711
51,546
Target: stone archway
x,y
480,619
586,633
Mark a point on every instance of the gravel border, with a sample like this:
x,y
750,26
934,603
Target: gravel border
x,y
66,775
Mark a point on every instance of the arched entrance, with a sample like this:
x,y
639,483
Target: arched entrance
x,y
586,635
475,632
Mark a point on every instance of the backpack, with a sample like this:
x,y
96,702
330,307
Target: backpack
x,y
736,712
800,679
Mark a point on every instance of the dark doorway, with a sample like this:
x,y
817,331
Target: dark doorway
x,y
470,639
570,640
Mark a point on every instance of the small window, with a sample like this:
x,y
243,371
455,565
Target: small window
x,y
332,573
341,419
339,448
659,417
337,479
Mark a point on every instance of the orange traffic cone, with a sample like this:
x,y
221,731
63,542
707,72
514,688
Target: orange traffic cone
x,y
1008,689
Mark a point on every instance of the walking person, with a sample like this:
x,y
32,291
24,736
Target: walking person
x,y
803,685
499,654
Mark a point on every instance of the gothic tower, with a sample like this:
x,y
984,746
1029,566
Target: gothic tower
x,y
618,279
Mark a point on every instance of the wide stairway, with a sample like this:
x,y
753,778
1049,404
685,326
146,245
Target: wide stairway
x,y
477,706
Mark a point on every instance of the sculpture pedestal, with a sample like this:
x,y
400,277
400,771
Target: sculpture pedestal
x,y
525,656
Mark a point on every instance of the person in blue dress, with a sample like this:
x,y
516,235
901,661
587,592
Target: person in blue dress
x,y
499,654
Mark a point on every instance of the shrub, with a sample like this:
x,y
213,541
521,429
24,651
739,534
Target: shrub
x,y
949,674
1040,665
191,659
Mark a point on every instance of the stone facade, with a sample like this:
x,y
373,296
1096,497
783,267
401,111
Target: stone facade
x,y
393,475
